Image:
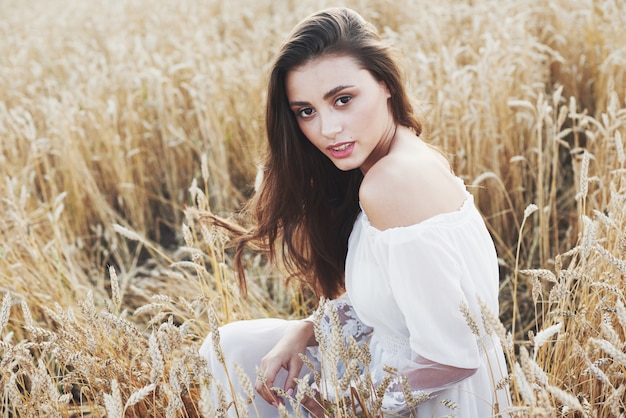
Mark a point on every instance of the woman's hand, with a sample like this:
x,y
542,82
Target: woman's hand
x,y
284,355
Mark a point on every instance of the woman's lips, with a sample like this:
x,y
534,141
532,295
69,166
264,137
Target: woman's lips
x,y
341,150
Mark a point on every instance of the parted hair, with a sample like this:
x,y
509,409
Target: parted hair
x,y
305,208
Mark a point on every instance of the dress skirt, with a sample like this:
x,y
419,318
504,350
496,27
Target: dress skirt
x,y
245,343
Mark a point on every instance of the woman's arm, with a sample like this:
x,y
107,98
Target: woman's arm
x,y
286,353
430,376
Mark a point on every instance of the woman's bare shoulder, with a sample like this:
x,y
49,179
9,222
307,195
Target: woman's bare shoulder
x,y
412,183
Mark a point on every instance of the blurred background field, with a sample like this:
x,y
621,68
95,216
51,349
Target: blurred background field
x,y
122,122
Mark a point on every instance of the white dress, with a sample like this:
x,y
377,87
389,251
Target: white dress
x,y
405,288
409,284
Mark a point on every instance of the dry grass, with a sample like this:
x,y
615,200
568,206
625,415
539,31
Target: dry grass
x,y
112,109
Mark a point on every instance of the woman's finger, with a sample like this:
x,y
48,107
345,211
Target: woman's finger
x,y
265,382
293,371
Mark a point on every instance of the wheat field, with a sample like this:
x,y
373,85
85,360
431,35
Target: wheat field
x,y
123,123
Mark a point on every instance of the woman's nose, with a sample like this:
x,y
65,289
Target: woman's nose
x,y
331,124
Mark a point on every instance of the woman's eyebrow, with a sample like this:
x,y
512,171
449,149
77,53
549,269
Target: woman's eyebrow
x,y
334,91
294,104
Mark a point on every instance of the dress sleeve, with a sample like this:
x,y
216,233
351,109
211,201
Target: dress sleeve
x,y
327,315
426,272
351,325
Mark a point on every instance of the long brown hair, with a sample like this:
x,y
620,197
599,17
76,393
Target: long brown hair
x,y
306,207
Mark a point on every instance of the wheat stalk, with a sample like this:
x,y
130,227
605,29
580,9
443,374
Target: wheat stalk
x,y
113,401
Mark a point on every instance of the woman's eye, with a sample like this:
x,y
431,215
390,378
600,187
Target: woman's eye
x,y
307,112
343,100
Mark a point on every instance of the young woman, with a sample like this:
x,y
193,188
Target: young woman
x,y
357,203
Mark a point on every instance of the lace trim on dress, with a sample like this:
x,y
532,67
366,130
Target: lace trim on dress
x,y
394,400
350,323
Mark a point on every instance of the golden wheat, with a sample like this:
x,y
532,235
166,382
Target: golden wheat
x,y
122,122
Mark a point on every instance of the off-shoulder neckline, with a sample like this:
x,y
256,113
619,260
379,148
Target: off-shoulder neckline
x,y
441,219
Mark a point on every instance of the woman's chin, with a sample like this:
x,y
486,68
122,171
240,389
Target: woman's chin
x,y
344,165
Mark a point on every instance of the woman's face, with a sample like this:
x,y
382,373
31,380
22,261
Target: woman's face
x,y
342,109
